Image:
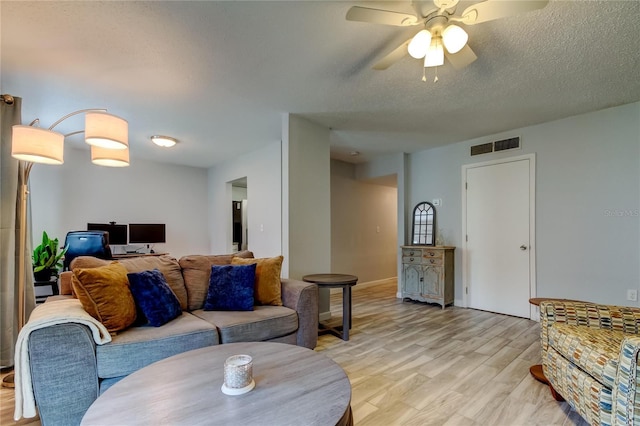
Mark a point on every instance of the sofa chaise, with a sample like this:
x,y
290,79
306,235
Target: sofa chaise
x,y
69,370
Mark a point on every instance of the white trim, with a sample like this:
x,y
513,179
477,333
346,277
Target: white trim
x,y
532,224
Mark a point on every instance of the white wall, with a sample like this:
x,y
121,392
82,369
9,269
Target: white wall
x,y
262,170
587,201
306,188
64,198
363,226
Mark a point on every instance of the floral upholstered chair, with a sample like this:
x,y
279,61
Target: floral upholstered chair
x,y
590,358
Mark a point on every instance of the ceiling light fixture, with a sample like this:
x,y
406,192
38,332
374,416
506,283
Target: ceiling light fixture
x,y
164,141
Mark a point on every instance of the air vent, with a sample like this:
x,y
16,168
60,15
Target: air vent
x,y
485,148
505,144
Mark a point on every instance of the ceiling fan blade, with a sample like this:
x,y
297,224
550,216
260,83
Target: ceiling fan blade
x,y
393,57
384,17
461,59
489,10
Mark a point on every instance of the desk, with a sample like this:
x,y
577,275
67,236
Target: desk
x,y
345,282
294,386
131,255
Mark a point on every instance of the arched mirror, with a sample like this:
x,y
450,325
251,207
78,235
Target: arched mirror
x,y
424,224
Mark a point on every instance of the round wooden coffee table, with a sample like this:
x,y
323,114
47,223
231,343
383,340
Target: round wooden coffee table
x,y
294,385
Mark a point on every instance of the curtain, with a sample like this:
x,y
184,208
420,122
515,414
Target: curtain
x,y
10,171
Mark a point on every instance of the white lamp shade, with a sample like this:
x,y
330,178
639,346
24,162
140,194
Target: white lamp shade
x,y
454,38
109,157
37,145
435,55
419,44
106,130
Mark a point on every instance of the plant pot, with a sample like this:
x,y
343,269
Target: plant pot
x,y
44,275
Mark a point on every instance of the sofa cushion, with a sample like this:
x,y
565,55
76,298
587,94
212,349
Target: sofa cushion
x,y
263,323
231,288
154,298
268,287
105,295
166,264
137,347
594,350
196,270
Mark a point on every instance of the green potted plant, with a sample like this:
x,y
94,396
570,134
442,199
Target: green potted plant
x,y
47,259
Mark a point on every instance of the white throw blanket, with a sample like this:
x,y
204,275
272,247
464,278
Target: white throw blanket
x,y
45,315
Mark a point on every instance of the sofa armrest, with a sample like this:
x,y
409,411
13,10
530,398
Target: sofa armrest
x,y
63,372
303,298
625,396
611,317
64,280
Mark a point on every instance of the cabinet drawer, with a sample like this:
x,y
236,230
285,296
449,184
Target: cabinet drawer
x,y
417,259
411,253
432,260
429,253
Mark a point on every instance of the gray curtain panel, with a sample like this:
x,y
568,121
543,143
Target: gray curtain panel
x,y
10,114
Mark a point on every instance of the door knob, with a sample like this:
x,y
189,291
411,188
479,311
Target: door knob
x,y
523,247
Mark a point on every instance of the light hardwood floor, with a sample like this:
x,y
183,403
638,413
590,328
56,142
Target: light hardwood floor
x,y
411,363
415,364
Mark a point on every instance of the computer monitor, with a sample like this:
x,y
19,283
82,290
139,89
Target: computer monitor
x,y
117,233
147,233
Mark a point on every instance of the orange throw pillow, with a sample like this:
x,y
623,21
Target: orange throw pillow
x,y
105,295
267,287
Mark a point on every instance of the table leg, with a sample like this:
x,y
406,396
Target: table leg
x,y
346,312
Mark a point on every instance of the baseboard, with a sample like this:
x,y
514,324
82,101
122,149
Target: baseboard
x,y
324,316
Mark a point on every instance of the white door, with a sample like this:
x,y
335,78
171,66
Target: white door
x,y
498,247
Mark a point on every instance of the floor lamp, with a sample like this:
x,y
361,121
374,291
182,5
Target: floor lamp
x,y
108,136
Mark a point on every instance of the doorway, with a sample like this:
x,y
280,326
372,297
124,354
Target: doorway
x,y
239,214
498,235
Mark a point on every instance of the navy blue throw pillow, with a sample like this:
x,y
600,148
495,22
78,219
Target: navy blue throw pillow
x,y
153,297
231,288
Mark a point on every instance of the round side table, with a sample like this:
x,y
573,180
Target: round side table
x,y
345,282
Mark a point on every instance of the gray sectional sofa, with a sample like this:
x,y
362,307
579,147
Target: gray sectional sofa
x,y
69,371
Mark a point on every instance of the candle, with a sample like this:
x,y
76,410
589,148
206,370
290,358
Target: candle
x,y
238,375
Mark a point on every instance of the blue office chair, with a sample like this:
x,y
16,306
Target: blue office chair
x,y
86,243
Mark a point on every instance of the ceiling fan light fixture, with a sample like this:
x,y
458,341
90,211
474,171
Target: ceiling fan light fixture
x,y
435,55
454,38
419,45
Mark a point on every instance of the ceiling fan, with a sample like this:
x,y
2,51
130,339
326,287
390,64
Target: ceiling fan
x,y
440,35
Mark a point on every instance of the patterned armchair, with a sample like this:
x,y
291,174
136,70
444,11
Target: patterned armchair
x,y
590,358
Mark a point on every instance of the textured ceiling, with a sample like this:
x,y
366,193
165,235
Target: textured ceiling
x,y
219,75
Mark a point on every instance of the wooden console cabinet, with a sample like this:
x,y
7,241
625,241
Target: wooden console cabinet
x,y
427,274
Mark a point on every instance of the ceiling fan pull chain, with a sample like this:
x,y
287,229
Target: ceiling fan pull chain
x,y
435,80
424,75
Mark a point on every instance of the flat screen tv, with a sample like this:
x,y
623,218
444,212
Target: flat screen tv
x,y
117,233
146,233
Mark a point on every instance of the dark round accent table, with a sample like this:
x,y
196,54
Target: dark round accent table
x,y
345,282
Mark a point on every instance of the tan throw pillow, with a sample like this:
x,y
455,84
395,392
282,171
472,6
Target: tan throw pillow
x,y
196,270
105,295
268,288
165,264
